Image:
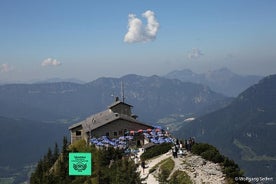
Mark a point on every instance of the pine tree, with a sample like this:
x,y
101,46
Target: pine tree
x,y
38,174
49,159
64,163
121,171
56,152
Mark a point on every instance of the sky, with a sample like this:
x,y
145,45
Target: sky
x,y
88,39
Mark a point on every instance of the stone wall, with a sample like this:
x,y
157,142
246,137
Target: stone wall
x,y
117,128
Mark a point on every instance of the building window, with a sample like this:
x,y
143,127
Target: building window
x,y
115,133
107,134
78,133
120,132
125,132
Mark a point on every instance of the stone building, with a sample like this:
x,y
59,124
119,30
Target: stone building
x,y
114,122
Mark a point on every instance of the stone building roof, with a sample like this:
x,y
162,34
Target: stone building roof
x,y
117,103
105,117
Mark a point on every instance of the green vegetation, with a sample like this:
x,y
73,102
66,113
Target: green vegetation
x,y
165,169
109,166
157,166
209,152
249,155
180,177
156,150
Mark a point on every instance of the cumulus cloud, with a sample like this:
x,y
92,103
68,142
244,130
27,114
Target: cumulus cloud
x,y
5,68
138,32
50,62
195,53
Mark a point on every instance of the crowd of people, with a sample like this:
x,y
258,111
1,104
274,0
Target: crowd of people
x,y
178,147
104,141
156,135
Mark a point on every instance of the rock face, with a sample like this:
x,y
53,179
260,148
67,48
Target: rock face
x,y
198,169
201,170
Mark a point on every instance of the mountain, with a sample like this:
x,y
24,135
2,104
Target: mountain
x,y
153,97
41,102
34,116
49,80
23,142
244,130
222,81
55,80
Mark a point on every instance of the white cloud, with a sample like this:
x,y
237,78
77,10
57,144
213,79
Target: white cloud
x,y
195,53
5,68
137,32
50,62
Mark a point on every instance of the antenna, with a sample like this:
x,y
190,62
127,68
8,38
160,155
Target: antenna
x,y
112,95
122,91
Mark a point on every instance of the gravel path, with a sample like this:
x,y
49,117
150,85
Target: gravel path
x,y
149,178
199,170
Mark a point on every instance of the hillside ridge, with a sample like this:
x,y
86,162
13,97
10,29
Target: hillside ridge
x,y
247,126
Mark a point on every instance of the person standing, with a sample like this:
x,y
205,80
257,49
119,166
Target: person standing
x,y
143,165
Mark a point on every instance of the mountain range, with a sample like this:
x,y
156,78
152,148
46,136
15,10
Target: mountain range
x,y
49,80
154,97
244,130
43,109
222,80
34,116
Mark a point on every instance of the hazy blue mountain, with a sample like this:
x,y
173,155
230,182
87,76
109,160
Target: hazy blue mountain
x,y
23,142
43,102
222,81
244,130
34,116
153,97
55,80
49,80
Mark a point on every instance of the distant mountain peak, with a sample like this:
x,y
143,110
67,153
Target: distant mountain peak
x,y
132,77
222,80
268,79
183,72
223,69
57,80
222,74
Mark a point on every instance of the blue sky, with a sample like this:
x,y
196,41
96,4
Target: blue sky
x,y
86,39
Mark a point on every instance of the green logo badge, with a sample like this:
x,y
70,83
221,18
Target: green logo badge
x,y
80,164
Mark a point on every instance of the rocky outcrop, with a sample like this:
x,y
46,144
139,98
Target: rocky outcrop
x,y
198,169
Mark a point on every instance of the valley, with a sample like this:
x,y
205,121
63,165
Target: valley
x,y
183,108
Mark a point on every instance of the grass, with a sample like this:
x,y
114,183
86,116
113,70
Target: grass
x,y
157,165
165,170
166,166
180,177
156,151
